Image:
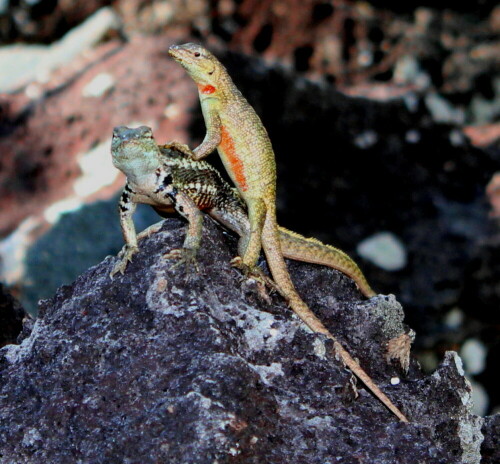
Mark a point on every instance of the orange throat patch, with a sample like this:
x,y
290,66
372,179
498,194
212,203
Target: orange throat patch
x,y
228,147
206,89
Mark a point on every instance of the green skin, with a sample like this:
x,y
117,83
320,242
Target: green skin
x,y
236,131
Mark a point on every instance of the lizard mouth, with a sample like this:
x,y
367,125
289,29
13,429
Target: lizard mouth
x,y
176,53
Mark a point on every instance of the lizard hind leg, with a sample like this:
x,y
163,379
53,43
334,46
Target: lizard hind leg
x,y
250,244
186,255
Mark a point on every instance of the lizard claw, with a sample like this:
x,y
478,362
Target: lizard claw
x,y
124,256
186,256
257,274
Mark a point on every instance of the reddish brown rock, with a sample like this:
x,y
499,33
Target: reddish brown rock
x,y
43,138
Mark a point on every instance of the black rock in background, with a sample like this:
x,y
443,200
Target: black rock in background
x,y
11,317
77,241
351,167
151,367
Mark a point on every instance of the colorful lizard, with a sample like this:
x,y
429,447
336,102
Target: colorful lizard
x,y
236,131
166,178
163,177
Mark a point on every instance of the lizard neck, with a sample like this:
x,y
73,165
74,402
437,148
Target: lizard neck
x,y
221,88
139,171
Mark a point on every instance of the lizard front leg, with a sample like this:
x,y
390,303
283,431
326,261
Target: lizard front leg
x,y
213,136
126,207
186,207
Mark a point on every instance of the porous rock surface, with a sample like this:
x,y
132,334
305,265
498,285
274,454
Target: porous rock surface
x,y
151,367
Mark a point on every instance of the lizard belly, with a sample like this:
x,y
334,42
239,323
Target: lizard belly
x,y
233,162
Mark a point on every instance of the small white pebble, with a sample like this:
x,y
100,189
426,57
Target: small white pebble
x,y
385,250
33,91
99,85
273,332
366,139
319,348
480,399
457,138
474,353
454,318
412,136
171,111
254,440
411,102
395,380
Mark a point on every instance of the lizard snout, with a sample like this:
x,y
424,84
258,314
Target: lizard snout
x,y
174,50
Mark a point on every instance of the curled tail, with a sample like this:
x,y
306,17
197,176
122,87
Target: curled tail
x,y
272,244
310,250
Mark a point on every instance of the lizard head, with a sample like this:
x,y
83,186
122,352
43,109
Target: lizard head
x,y
200,64
130,147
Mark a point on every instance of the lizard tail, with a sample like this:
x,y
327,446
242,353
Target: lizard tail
x,y
272,249
310,250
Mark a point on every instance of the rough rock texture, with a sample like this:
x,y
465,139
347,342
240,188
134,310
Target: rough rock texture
x,y
490,449
152,368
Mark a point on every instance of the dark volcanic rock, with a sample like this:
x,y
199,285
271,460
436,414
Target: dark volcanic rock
x,y
152,368
490,449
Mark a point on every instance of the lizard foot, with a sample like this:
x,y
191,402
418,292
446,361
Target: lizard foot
x,y
183,148
186,256
125,256
257,274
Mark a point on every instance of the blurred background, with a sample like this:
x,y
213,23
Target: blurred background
x,y
384,117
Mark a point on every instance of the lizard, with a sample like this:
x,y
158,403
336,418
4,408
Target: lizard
x,y
236,131
146,164
164,177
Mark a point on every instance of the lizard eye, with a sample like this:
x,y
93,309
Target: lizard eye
x,y
197,54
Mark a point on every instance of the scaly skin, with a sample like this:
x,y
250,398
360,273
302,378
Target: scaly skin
x,y
235,130
147,165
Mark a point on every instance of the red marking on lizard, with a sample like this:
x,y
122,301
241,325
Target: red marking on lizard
x,y
228,147
207,89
